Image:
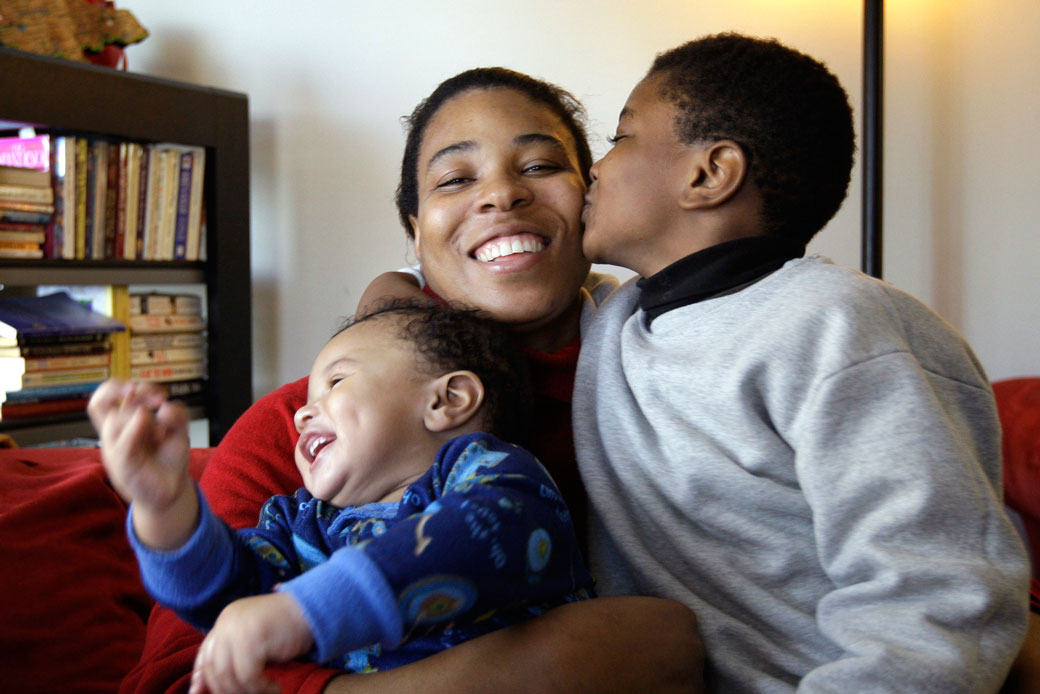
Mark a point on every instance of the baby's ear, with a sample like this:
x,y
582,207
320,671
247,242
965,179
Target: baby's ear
x,y
454,399
717,171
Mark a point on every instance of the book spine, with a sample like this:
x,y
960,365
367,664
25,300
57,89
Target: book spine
x,y
168,372
148,341
133,199
111,198
122,186
55,240
166,356
84,361
42,393
23,410
180,234
39,379
143,189
90,198
146,323
82,157
19,193
198,174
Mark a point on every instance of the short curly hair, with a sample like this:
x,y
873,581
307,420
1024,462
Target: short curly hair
x,y
557,100
785,109
453,337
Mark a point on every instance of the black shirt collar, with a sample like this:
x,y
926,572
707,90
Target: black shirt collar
x,y
714,270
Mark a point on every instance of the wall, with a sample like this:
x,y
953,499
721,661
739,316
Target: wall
x,y
328,81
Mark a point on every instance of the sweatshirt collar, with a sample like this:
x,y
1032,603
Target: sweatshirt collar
x,y
712,271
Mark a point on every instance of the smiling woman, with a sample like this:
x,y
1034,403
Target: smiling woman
x,y
493,180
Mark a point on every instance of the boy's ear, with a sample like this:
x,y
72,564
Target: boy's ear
x,y
415,236
454,399
717,171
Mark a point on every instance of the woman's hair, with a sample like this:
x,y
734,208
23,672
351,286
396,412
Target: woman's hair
x,y
785,109
452,337
557,100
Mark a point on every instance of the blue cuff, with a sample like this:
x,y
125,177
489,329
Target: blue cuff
x,y
348,604
185,577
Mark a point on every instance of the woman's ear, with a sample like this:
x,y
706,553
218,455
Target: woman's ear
x,y
454,400
415,236
717,172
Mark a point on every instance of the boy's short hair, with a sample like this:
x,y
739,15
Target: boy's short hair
x,y
453,337
785,109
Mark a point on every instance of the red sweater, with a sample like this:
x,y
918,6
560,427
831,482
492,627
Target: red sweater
x,y
255,461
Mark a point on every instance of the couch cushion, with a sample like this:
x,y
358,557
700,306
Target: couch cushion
x,y
74,610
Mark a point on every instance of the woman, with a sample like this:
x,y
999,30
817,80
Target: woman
x,y
492,186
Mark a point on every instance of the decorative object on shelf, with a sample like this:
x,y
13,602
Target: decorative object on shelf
x,y
85,30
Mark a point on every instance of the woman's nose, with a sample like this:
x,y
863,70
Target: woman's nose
x,y
504,193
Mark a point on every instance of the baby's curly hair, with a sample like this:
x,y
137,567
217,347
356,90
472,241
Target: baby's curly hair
x,y
453,337
785,109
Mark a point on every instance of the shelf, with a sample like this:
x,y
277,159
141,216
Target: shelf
x,y
17,273
61,96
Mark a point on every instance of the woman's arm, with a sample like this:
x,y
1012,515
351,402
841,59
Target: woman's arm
x,y
625,644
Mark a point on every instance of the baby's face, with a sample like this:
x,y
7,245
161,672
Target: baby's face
x,y
363,422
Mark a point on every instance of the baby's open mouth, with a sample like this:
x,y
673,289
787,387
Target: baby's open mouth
x,y
503,246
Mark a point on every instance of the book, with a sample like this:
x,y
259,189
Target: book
x,y
168,213
23,216
141,357
176,371
142,200
53,315
23,176
45,393
22,193
36,235
134,158
24,410
148,323
180,227
122,189
46,347
108,247
157,303
147,341
153,207
198,174
20,365
36,379
26,152
80,216
183,389
20,251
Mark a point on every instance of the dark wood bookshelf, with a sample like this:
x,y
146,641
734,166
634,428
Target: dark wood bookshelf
x,y
58,96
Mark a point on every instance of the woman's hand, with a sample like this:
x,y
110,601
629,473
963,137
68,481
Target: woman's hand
x,y
247,635
387,286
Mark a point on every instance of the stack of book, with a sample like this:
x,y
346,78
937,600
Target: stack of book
x,y
26,197
168,341
53,353
116,199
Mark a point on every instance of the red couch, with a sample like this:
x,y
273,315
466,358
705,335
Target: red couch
x,y
74,611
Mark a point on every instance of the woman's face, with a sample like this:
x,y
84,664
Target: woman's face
x,y
499,222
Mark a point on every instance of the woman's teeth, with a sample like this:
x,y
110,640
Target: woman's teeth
x,y
504,247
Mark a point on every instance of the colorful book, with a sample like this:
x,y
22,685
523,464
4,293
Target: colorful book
x,y
180,227
32,235
97,344
61,377
25,410
178,371
20,193
26,152
108,247
46,393
82,151
132,198
54,315
142,200
183,389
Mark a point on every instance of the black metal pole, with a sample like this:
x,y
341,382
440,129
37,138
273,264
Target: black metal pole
x,y
873,81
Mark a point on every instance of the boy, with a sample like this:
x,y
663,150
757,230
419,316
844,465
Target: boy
x,y
806,457
380,548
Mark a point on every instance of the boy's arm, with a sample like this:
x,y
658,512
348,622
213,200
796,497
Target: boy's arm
x,y
902,469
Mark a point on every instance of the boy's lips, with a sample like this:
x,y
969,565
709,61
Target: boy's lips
x,y
311,445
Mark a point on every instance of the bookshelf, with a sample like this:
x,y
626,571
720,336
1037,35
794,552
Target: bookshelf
x,y
58,96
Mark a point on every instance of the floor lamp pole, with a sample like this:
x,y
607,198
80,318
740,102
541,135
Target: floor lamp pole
x,y
873,75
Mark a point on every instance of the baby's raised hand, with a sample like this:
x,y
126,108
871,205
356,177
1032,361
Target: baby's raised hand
x,y
247,635
144,442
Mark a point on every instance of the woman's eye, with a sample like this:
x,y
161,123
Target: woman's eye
x,y
453,181
614,139
541,168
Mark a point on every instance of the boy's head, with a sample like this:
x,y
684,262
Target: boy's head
x,y
391,387
757,129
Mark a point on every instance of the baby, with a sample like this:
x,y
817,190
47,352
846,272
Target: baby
x,y
416,528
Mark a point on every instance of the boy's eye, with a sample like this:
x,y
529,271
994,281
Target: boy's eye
x,y
334,380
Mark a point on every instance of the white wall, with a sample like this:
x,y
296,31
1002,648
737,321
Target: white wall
x,y
328,81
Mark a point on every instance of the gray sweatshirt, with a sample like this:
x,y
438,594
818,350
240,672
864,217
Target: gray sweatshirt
x,y
812,464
